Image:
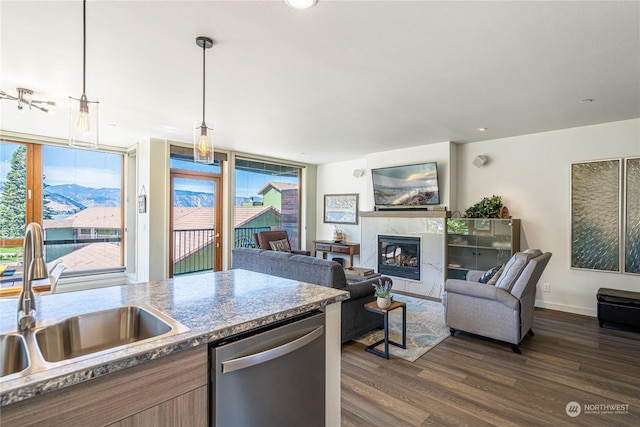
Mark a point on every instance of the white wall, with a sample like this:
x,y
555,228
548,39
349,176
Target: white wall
x,y
152,228
337,178
531,173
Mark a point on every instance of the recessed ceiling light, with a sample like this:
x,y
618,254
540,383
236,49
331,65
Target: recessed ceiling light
x,y
481,129
586,100
301,4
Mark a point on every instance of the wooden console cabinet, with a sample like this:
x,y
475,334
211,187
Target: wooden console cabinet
x,y
328,246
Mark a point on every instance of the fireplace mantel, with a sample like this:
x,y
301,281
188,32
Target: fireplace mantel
x,y
407,214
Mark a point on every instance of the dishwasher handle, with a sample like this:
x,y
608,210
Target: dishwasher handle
x,y
265,356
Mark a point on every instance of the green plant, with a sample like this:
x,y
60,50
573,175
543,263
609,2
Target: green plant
x,y
457,226
383,289
489,207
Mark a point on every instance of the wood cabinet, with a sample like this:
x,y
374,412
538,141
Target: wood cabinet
x,y
171,390
480,244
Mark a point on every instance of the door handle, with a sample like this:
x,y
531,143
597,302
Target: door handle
x,y
265,356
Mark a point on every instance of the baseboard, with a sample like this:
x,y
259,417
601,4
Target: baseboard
x,y
567,308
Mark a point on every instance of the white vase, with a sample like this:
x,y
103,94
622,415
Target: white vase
x,y
384,302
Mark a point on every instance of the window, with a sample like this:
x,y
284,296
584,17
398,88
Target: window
x,y
77,197
267,196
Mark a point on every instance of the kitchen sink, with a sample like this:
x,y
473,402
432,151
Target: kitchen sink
x,y
14,357
90,333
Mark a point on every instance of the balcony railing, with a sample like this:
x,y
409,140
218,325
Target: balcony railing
x,y
193,249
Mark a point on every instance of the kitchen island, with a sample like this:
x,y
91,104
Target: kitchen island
x,y
213,306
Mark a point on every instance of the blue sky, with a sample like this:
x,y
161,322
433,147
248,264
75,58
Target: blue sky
x,y
103,170
82,167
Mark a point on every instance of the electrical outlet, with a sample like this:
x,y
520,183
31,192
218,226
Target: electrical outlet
x,y
546,287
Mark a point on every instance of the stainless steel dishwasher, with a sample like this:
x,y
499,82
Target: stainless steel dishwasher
x,y
274,376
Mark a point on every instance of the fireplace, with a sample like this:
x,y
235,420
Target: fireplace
x,y
399,256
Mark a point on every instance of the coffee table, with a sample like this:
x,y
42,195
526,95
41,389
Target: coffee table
x,y
373,307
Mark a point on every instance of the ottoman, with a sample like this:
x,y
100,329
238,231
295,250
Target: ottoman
x,y
618,307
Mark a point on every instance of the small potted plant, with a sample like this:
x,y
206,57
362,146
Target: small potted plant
x,y
338,235
383,293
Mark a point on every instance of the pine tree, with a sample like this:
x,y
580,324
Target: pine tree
x,y
14,194
47,212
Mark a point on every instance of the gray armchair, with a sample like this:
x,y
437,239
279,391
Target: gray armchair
x,y
503,311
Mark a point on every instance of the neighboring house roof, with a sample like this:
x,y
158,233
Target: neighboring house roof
x,y
193,218
244,214
96,217
93,256
280,186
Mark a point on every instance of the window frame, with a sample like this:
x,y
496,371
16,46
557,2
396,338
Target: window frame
x,y
34,208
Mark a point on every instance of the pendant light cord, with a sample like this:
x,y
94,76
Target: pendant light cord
x,y
84,47
204,50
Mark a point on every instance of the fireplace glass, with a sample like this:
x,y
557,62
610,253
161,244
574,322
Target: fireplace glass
x,y
399,256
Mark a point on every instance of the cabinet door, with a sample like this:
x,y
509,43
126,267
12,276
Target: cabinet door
x,y
480,244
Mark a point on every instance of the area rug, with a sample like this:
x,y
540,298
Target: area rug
x,y
425,328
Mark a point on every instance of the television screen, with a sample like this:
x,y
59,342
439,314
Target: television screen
x,y
410,185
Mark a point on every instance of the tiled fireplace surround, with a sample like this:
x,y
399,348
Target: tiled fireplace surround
x,y
428,225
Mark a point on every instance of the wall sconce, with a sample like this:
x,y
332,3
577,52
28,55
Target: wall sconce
x,y
479,161
142,201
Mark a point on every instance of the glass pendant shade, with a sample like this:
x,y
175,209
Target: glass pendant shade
x,y
83,123
203,143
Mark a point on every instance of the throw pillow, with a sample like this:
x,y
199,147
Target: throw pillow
x,y
514,268
280,245
496,276
489,274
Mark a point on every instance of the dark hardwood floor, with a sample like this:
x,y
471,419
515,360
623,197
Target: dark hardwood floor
x,y
473,381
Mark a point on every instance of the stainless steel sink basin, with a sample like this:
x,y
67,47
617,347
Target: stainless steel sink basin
x,y
14,357
90,333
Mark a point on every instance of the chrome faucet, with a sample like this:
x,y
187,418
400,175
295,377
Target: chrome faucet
x,y
34,268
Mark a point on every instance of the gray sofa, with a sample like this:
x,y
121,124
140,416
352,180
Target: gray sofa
x,y
503,311
355,320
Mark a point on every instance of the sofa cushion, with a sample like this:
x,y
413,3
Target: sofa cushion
x,y
280,245
514,267
489,274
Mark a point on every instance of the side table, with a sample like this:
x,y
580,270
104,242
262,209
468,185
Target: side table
x,y
373,307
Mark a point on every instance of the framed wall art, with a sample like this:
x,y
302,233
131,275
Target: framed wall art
x,y
595,215
341,208
632,215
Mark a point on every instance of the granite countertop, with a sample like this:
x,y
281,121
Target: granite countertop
x,y
212,305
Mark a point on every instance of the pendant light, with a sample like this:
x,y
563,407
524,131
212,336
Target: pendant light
x,y
203,135
83,114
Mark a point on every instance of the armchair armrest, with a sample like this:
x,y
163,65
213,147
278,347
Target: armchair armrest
x,y
481,290
474,275
363,288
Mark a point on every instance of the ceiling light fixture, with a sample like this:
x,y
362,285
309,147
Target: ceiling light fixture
x,y
481,129
203,135
301,4
83,121
25,96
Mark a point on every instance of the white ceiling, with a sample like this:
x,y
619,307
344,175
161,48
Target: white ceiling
x,y
335,82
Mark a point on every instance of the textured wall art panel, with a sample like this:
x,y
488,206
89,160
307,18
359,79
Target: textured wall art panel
x,y
632,216
595,215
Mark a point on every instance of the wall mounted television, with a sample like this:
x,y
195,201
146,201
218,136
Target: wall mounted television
x,y
406,186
